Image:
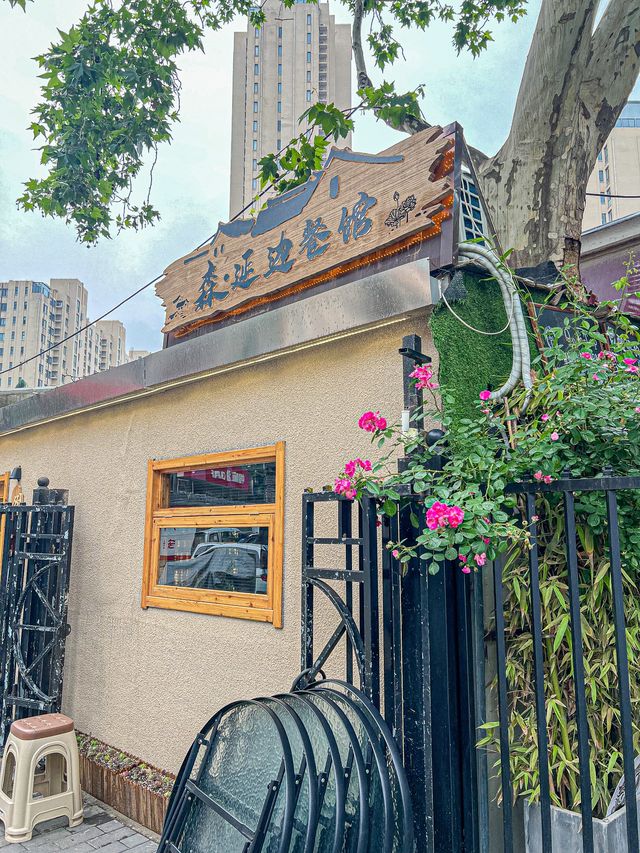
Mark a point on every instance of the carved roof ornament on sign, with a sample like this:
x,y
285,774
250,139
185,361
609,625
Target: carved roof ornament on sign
x,y
359,209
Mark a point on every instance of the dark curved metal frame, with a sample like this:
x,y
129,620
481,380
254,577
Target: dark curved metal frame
x,y
188,789
34,586
379,755
377,727
332,766
307,771
360,571
355,758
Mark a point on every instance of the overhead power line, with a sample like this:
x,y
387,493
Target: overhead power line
x,y
84,328
612,195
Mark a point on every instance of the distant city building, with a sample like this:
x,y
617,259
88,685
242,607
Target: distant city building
x,y
617,172
135,354
299,57
35,316
113,343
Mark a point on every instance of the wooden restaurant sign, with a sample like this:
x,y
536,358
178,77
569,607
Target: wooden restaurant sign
x,y
359,209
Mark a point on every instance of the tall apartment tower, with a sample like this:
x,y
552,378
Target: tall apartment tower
x,y
35,316
617,172
113,344
299,57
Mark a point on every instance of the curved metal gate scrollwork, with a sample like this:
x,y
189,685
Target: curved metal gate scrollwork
x,y
33,593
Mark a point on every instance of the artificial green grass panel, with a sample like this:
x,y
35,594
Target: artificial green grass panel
x,y
470,362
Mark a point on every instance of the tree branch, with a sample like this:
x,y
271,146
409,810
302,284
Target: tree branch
x,y
411,124
358,52
614,63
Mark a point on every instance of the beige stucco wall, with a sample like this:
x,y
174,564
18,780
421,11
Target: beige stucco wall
x,y
146,680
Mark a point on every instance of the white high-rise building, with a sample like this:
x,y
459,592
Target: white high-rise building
x,y
35,316
299,57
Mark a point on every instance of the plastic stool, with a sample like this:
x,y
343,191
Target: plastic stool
x,y
40,775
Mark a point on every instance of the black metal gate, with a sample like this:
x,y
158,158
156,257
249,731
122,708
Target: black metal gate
x,y
407,640
36,555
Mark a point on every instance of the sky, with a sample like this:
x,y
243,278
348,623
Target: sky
x,y
191,181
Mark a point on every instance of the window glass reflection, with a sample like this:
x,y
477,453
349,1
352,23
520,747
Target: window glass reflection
x,y
230,559
224,485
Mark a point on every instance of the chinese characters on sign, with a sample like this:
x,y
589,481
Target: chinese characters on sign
x,y
356,224
313,243
358,207
208,292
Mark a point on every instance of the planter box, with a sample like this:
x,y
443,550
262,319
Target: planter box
x,y
609,835
135,801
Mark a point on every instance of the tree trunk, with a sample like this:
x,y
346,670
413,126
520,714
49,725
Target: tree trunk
x,y
574,86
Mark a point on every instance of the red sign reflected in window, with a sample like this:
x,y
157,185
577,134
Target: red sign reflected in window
x,y
236,478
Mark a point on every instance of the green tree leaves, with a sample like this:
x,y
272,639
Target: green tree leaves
x,y
109,97
111,94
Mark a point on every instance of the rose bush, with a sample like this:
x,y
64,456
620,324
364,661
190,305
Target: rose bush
x,y
582,417
575,419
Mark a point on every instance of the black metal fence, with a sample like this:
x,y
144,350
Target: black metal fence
x,y
572,572
359,627
434,653
406,639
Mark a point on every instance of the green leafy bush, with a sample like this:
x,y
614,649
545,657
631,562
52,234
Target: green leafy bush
x,y
582,416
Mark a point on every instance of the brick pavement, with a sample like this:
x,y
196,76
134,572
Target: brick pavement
x,y
100,832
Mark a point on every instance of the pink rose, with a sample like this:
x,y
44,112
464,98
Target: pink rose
x,y
637,410
367,422
342,485
548,479
423,374
544,418
586,355
455,516
484,395
554,436
486,540
630,360
462,558
372,422
437,516
595,377
466,570
633,368
396,553
352,466
537,475
480,559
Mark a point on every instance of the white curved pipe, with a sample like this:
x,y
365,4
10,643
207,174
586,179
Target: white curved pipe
x,y
521,364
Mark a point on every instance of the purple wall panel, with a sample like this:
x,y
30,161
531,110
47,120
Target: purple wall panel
x,y
599,273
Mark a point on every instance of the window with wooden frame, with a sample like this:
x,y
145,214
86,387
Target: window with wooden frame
x,y
214,534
